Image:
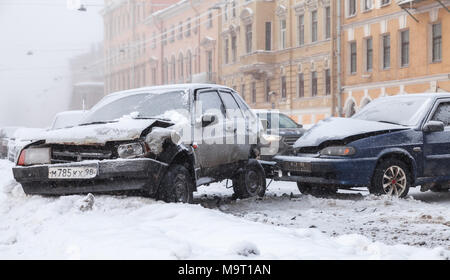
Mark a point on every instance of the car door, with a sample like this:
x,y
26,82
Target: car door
x,y
235,129
437,144
210,139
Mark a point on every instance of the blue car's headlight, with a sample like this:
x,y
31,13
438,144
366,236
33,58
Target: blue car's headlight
x,y
338,151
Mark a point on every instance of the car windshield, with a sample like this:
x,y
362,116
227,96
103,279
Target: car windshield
x,y
405,111
284,121
139,106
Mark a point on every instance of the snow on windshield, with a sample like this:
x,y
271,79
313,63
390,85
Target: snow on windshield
x,y
143,105
405,111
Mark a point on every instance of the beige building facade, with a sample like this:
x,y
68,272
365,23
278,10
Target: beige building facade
x,y
393,47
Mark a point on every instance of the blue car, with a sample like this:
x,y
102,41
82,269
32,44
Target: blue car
x,y
391,145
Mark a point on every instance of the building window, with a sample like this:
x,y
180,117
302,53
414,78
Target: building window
x,y
369,54
283,87
188,27
268,36
209,56
243,91
327,82
327,22
437,42
386,51
226,51
234,47
172,34
253,92
209,23
385,2
313,26
180,31
301,30
283,34
314,83
404,51
249,38
367,5
351,5
189,65
301,85
181,67
353,58
233,9
268,91
173,64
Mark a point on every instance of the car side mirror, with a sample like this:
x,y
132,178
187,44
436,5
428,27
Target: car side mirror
x,y
434,126
300,125
265,124
209,119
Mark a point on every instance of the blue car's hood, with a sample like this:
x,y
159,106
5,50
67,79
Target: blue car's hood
x,y
334,129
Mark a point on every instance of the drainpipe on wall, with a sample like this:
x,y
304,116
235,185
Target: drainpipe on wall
x,y
339,64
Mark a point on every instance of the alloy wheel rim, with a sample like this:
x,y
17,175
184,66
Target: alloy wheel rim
x,y
180,191
394,181
252,181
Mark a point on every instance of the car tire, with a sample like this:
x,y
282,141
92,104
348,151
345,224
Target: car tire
x,y
391,177
250,182
177,186
316,190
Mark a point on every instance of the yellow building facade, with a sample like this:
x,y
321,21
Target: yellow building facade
x,y
393,47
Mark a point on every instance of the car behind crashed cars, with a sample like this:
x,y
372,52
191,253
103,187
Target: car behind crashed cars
x,y
163,141
392,144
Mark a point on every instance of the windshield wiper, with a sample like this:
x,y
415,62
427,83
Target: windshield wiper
x,y
391,123
94,123
151,118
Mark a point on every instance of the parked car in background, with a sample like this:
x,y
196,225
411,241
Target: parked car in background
x,y
6,134
139,140
67,119
282,129
391,145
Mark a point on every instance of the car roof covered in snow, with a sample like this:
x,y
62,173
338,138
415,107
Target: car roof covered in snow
x,y
432,95
165,88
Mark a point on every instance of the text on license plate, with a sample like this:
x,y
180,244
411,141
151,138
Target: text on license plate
x,y
72,172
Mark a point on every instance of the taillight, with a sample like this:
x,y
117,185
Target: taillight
x,y
21,161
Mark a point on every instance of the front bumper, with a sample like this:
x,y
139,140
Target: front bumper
x,y
329,171
112,176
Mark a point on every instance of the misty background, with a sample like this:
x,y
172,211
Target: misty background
x,y
37,39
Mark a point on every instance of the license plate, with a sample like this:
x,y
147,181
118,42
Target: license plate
x,y
299,166
72,172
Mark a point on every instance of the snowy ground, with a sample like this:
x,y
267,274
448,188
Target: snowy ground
x,y
280,226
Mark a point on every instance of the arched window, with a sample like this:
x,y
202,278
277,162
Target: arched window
x,y
351,109
181,67
365,102
165,73
173,70
189,65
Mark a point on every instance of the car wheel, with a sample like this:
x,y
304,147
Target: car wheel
x,y
316,190
392,177
251,181
176,186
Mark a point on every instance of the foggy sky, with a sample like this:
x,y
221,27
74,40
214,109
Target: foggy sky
x,y
33,88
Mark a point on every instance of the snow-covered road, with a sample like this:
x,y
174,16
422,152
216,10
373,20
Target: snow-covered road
x,y
280,226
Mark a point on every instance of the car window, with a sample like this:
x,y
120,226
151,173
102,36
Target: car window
x,y
210,102
442,113
231,105
144,105
287,122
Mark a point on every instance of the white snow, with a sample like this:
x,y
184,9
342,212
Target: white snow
x,y
113,227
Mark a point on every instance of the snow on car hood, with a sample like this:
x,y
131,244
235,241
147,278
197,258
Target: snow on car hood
x,y
122,130
333,129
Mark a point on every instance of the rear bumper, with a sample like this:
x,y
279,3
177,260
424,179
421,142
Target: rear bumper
x,y
113,175
331,171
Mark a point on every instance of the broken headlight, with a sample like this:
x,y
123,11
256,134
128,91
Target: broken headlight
x,y
131,150
338,151
34,156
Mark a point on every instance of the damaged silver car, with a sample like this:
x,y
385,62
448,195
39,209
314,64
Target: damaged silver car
x,y
162,141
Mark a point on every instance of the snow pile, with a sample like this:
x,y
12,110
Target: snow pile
x,y
106,227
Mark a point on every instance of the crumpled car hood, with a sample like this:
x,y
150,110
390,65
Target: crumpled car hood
x,y
334,129
123,130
